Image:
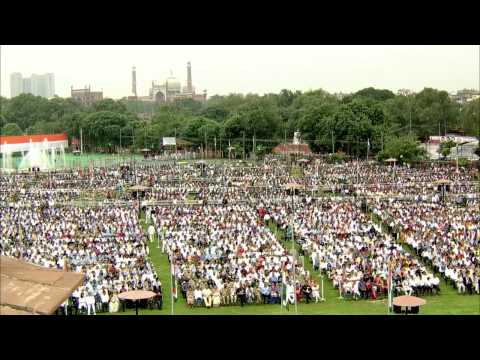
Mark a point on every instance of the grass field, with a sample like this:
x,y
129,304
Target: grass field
x,y
83,161
447,303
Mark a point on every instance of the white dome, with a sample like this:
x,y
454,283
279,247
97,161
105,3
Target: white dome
x,y
173,84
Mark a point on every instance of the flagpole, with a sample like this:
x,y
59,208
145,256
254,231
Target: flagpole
x,y
390,285
323,297
293,254
368,147
172,279
281,291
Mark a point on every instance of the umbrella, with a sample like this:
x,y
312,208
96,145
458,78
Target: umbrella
x,y
138,188
294,186
391,160
136,295
443,182
408,301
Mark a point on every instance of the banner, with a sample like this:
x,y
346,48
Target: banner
x,y
169,141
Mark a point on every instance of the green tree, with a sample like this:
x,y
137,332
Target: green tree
x,y
73,122
102,129
215,111
262,118
470,118
189,105
47,127
110,105
234,127
373,94
397,114
3,106
169,121
445,147
11,129
25,110
405,149
197,128
434,111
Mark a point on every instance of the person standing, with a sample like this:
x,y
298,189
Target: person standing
x,y
307,291
316,291
90,300
216,297
151,232
265,289
207,296
105,299
241,294
190,297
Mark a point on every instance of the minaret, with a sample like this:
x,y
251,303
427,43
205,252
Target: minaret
x,y
189,78
134,82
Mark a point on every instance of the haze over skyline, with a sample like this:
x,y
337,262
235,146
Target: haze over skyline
x,y
247,69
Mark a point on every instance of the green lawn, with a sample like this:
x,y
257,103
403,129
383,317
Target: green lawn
x,y
83,161
449,302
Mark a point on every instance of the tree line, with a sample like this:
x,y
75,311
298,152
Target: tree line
x,y
370,120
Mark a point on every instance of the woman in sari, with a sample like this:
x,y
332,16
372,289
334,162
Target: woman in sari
x,y
114,304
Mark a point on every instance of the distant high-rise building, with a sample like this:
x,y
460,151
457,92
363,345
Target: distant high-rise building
x,y
16,84
51,85
38,85
27,86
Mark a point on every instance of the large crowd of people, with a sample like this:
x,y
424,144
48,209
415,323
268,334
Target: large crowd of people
x,y
212,221
355,253
106,244
445,236
225,254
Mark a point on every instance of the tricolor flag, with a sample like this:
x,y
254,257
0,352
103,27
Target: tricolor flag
x,y
174,281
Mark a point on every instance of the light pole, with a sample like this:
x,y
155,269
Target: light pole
x,y
244,146
410,108
333,144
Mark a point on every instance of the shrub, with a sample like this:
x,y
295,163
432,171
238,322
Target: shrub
x,y
337,158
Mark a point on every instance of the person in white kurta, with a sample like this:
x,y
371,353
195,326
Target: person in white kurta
x,y
151,233
82,302
90,299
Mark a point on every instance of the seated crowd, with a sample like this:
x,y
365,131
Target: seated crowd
x,y
355,253
106,244
224,254
445,236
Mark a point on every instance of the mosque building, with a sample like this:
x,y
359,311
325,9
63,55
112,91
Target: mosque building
x,y
170,90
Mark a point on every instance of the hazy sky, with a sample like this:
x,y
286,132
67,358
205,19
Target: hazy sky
x,y
247,69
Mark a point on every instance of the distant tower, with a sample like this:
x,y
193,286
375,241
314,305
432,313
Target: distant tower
x,y
189,78
134,81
